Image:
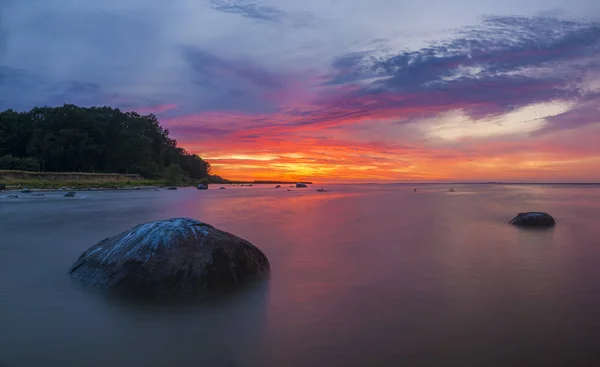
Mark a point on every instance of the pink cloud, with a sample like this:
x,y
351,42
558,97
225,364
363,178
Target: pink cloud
x,y
156,109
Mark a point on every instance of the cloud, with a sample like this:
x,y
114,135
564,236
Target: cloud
x,y
209,66
235,84
15,84
3,39
156,109
502,65
255,11
586,112
248,9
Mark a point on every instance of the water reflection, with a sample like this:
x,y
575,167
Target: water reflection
x,y
360,276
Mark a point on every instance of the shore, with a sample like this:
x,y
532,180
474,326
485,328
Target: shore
x,y
17,180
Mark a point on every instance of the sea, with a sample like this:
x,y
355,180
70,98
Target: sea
x,y
361,275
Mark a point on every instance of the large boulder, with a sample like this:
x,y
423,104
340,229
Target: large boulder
x,y
2,186
533,219
175,255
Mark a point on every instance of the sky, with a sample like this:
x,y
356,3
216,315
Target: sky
x,y
329,90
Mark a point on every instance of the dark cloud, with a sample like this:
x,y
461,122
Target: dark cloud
x,y
62,53
248,9
21,90
253,10
210,67
3,40
586,112
3,32
504,64
231,84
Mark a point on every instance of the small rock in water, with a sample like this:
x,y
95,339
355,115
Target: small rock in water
x,y
202,187
38,194
321,190
70,194
533,219
25,191
278,186
221,188
300,184
178,255
172,188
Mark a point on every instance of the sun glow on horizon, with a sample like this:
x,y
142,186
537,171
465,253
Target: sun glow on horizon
x,y
488,158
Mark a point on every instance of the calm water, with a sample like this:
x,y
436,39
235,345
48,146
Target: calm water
x,y
373,275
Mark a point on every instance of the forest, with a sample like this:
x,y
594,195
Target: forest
x,y
97,139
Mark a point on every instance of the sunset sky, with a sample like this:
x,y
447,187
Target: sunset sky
x,y
329,90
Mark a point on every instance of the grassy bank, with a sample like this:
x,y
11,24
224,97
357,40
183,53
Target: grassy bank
x,y
39,184
76,180
83,180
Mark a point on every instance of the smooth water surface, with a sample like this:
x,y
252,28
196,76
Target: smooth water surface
x,y
371,275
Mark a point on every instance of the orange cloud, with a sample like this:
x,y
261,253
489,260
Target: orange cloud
x,y
249,147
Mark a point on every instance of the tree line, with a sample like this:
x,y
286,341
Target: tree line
x,y
96,139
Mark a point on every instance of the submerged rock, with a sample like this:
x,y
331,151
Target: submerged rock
x,y
38,194
221,188
202,187
533,219
70,194
173,255
12,197
172,188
